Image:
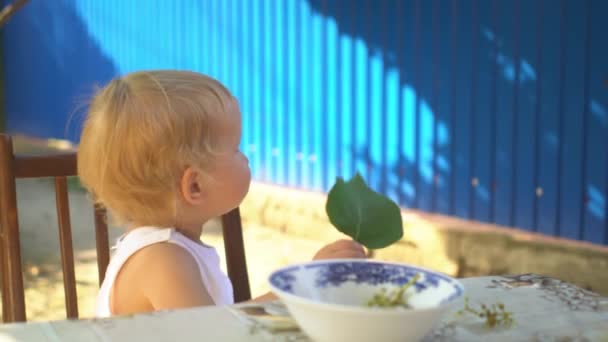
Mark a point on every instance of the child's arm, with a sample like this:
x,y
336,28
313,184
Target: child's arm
x,y
167,277
267,297
341,249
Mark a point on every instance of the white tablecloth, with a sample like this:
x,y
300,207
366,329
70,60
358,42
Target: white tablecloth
x,y
544,309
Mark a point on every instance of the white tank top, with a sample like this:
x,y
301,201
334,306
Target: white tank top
x,y
217,283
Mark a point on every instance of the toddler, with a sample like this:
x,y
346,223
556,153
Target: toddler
x,y
160,150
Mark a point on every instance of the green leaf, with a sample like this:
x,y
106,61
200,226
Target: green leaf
x,y
368,217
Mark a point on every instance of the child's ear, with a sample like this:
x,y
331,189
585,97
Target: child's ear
x,y
191,187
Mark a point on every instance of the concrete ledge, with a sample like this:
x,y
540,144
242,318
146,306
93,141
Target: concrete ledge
x,y
457,247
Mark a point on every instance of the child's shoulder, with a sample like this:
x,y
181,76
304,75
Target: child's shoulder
x,y
159,259
161,266
149,252
164,275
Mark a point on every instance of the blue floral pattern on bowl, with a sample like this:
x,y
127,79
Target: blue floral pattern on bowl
x,y
334,274
372,273
284,280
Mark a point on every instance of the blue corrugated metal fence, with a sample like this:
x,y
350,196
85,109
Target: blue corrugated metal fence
x,y
489,110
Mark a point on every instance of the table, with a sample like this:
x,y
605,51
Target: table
x,y
543,309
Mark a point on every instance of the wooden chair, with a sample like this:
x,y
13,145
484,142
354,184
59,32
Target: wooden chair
x,y
59,167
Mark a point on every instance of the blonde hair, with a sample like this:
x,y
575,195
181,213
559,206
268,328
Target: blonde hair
x,y
141,132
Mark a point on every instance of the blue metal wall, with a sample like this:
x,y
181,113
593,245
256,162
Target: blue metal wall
x,y
490,110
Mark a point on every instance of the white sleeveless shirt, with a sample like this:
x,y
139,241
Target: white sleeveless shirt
x,y
217,283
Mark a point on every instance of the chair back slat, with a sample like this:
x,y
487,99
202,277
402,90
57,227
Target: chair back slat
x,y
13,301
2,278
66,247
101,242
235,255
56,165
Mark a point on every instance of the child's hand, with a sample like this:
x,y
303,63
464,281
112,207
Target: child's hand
x,y
341,249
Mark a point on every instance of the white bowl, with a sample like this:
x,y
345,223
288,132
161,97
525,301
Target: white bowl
x,y
327,298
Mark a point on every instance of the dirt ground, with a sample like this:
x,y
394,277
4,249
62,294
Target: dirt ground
x,y
266,250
